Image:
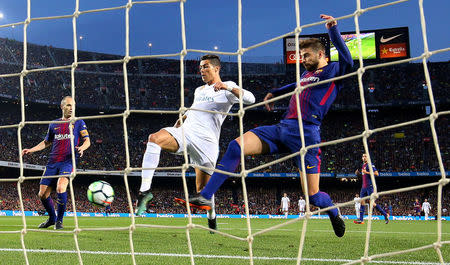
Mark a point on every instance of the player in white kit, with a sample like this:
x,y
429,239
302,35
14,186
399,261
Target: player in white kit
x,y
201,131
426,207
357,205
301,206
285,203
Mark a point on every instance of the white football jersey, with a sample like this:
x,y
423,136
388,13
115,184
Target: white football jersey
x,y
204,124
426,206
301,203
284,202
357,204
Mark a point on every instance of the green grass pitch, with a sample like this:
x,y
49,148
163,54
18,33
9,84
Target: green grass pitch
x,y
169,246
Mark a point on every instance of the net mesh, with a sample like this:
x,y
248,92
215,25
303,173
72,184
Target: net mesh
x,y
437,245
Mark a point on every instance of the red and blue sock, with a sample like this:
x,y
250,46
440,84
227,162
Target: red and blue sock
x,y
49,207
62,201
230,161
361,213
323,200
383,212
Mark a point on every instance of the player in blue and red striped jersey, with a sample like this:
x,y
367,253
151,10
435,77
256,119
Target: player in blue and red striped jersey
x,y
315,102
60,161
367,189
417,208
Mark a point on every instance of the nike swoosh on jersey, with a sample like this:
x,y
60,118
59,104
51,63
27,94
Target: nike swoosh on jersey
x,y
383,40
309,167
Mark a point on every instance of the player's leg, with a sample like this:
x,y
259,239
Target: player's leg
x,y
64,168
322,200
61,191
47,202
253,145
362,208
312,163
156,141
319,198
201,180
383,212
45,188
357,209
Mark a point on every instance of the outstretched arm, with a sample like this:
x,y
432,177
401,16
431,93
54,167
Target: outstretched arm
x,y
40,146
283,90
345,57
247,96
276,92
84,146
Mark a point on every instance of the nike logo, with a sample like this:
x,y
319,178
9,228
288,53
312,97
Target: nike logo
x,y
309,167
383,40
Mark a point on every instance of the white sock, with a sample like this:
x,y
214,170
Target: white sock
x,y
211,214
150,160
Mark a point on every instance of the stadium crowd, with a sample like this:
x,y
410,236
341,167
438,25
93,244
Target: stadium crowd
x,y
262,198
408,148
154,83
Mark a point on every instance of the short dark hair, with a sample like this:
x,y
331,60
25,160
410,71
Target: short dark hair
x,y
213,59
312,43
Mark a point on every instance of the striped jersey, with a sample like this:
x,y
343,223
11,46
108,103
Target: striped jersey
x,y
315,101
366,181
59,135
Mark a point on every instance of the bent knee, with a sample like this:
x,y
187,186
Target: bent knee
x,y
152,138
61,189
42,195
156,138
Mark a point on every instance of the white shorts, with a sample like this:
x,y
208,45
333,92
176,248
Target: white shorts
x,y
302,209
201,152
285,209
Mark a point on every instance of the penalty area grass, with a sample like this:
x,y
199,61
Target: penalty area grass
x,y
169,246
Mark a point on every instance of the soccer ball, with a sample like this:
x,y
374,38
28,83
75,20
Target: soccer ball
x,y
100,193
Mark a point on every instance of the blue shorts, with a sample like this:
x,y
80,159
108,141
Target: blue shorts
x,y
285,137
59,168
366,191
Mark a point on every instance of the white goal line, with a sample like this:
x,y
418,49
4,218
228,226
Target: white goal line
x,y
178,255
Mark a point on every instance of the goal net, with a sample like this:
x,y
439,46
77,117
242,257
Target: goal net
x,y
363,137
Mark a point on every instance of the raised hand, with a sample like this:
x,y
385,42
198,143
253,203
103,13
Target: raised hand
x,y
329,24
269,106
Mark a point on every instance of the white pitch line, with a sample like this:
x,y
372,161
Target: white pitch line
x,y
210,256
